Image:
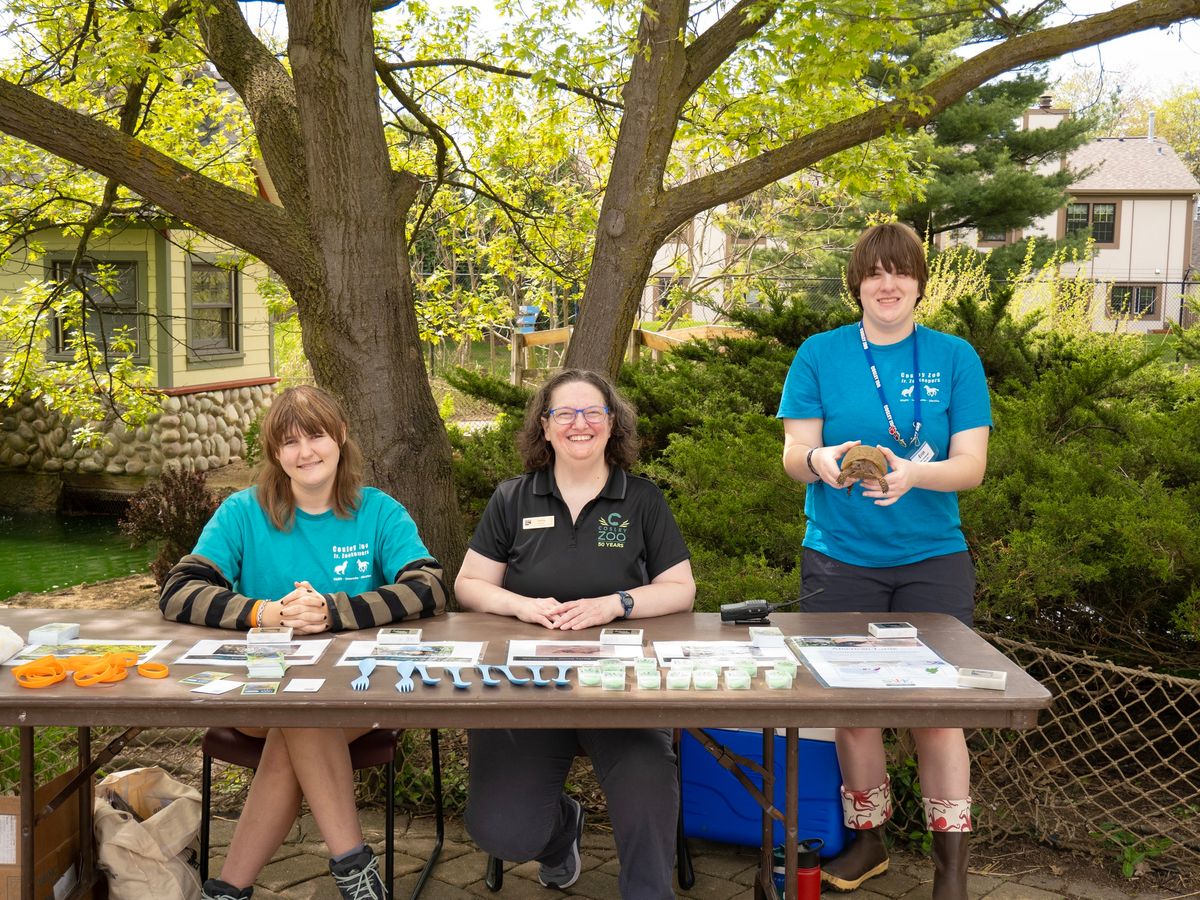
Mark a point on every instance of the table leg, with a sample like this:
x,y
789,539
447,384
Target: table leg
x,y
87,846
768,824
791,812
27,812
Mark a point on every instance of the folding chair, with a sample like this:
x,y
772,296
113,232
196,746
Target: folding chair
x,y
375,748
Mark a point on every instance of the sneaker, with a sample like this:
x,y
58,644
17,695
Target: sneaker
x,y
358,877
216,889
566,873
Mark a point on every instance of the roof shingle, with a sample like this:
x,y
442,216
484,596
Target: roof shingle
x,y
1131,165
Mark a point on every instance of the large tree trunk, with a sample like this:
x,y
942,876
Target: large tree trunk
x,y
356,301
628,235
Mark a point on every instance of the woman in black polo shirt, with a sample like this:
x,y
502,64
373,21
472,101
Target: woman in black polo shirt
x,y
577,542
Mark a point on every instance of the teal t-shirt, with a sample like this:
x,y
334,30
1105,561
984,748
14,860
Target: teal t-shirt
x,y
353,555
830,380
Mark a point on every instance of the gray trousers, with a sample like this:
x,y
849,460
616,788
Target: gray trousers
x,y
516,809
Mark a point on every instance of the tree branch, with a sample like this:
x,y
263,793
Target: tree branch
x,y
681,203
714,46
268,92
466,63
222,211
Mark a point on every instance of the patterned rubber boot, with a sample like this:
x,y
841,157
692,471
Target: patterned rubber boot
x,y
866,812
950,822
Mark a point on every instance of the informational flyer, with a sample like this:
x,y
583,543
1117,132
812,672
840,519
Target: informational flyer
x,y
860,661
431,653
233,653
145,650
568,653
722,653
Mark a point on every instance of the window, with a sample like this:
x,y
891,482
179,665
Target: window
x,y
110,292
212,299
1136,300
1099,218
992,235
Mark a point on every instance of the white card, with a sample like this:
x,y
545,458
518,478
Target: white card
x,y
224,686
537,522
304,685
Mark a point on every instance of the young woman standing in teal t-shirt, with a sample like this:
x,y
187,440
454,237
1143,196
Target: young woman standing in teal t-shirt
x,y
920,396
312,549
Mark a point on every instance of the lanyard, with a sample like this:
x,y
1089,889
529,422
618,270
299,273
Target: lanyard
x,y
916,390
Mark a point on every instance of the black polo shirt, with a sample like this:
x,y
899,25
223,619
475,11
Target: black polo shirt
x,y
624,538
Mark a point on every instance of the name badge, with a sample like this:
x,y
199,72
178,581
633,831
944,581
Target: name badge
x,y
925,453
537,522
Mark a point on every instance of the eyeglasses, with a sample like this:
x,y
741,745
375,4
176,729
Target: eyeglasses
x,y
565,415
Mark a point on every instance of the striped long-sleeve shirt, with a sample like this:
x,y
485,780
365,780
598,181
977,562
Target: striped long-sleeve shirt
x,y
197,592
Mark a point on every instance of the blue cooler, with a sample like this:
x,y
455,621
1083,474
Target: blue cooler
x,y
717,808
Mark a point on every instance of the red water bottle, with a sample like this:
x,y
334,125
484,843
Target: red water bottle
x,y
808,869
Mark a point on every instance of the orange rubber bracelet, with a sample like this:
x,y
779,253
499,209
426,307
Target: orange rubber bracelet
x,y
88,665
153,670
87,679
75,663
40,673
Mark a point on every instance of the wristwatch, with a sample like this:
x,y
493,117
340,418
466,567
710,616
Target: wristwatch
x,y
626,603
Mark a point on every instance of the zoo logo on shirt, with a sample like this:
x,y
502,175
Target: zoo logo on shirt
x,y
612,531
355,561
931,387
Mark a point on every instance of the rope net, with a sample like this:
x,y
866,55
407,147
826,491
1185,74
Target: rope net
x,y
1113,767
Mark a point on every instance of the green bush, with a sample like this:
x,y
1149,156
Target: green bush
x,y
482,459
731,579
727,488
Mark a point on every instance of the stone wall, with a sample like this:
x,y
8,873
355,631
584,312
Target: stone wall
x,y
194,431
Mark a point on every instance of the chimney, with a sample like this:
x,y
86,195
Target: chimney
x,y
1044,101
1150,127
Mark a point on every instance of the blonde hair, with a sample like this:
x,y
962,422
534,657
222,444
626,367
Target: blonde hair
x,y
305,410
892,245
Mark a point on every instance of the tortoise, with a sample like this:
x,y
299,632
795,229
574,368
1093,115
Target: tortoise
x,y
863,462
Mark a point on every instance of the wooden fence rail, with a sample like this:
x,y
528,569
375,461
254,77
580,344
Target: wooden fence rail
x,y
657,342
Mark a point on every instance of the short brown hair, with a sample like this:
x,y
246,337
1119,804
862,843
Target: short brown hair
x,y
305,410
622,447
894,246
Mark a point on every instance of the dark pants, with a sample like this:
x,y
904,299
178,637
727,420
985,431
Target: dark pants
x,y
942,584
516,809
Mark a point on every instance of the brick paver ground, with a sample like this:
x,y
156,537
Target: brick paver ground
x,y
300,870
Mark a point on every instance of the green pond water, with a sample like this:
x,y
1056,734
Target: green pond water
x,y
41,552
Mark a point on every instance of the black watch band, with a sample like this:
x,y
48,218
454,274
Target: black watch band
x,y
626,603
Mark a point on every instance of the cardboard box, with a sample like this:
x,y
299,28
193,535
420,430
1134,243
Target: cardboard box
x,y
56,842
716,806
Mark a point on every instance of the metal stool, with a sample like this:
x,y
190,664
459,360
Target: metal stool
x,y
375,748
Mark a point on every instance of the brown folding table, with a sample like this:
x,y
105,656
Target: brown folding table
x,y
137,702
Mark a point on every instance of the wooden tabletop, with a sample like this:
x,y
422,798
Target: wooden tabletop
x,y
165,703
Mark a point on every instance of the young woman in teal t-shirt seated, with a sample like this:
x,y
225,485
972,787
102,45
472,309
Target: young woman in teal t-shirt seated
x,y
308,547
